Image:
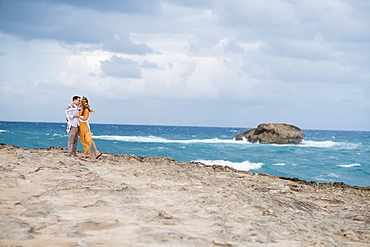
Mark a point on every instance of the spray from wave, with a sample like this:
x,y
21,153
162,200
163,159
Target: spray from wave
x,y
243,166
155,139
329,144
350,165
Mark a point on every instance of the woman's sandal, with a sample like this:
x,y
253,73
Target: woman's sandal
x,y
98,156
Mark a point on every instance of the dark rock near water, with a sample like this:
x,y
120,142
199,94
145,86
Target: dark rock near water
x,y
273,133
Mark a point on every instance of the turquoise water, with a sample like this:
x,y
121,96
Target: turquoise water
x,y
323,156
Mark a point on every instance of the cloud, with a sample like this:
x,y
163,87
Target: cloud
x,y
233,46
120,67
128,6
68,24
261,57
149,65
121,43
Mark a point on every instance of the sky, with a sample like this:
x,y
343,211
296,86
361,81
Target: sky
x,y
222,63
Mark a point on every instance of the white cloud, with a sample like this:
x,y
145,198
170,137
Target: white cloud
x,y
121,43
120,67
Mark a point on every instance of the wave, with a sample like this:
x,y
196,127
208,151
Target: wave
x,y
155,139
59,135
4,131
329,144
279,164
351,165
321,144
328,177
243,166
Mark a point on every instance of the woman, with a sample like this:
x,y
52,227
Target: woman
x,y
85,133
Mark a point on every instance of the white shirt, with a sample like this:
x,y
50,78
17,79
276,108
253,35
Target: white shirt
x,y
70,112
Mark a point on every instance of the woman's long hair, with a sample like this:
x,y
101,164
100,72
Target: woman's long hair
x,y
85,105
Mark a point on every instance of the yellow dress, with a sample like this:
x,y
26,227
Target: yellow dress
x,y
85,133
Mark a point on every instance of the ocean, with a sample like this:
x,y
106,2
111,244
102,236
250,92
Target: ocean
x,y
323,155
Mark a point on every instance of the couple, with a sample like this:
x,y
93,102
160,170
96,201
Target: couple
x,y
78,113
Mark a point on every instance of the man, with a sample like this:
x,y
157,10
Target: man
x,y
72,114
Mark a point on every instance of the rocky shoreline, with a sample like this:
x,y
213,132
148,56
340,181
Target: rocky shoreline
x,y
127,200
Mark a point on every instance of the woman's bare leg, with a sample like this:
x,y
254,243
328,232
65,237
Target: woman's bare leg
x,y
97,153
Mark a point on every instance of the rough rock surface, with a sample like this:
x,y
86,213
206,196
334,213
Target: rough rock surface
x,y
49,199
273,133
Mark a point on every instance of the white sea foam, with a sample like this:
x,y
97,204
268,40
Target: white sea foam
x,y
4,131
328,144
351,165
333,175
59,135
156,139
327,177
159,148
244,166
279,164
319,144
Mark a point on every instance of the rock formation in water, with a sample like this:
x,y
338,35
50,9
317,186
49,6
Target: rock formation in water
x,y
273,133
